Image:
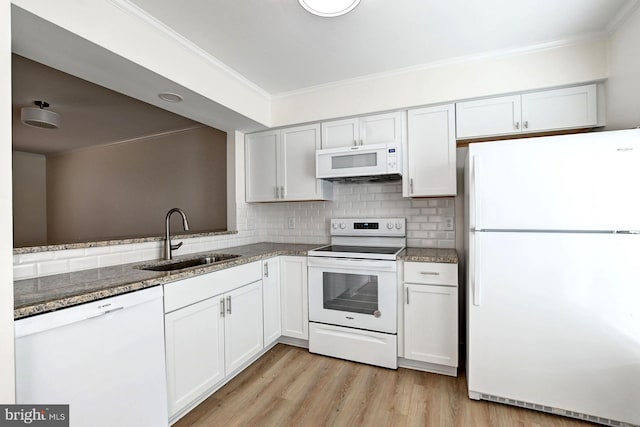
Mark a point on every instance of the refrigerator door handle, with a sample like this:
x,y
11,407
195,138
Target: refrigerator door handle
x,y
475,192
476,269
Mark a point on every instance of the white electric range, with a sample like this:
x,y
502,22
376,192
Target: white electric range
x,y
353,291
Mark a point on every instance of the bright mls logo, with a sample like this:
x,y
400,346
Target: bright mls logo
x,y
34,415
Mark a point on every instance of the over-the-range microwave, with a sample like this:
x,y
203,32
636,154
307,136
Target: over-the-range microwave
x,y
379,162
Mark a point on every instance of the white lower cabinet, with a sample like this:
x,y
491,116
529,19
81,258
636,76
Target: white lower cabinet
x,y
195,352
213,326
242,325
295,309
271,300
431,313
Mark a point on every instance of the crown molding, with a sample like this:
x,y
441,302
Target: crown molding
x,y
621,17
142,15
495,54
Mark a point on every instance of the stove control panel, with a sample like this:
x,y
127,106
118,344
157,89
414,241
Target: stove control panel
x,y
395,227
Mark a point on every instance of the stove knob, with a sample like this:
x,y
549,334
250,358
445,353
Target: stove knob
x,y
398,225
343,226
389,225
334,225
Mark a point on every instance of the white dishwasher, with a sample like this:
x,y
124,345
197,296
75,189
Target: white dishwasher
x,y
104,358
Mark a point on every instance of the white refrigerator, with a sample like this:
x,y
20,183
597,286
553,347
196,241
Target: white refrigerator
x,y
553,276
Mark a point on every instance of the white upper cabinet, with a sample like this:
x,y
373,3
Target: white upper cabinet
x,y
376,129
559,109
431,155
280,166
573,107
261,160
381,129
493,116
340,133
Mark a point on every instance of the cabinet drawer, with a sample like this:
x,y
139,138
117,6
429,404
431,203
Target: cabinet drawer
x,y
189,291
431,273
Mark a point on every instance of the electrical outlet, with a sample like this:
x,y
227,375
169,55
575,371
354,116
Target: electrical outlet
x,y
292,222
448,223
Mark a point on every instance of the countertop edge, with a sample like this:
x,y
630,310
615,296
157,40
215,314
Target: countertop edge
x,y
162,279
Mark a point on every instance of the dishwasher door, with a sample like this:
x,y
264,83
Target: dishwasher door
x,y
104,358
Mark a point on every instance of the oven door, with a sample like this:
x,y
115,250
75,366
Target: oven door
x,y
363,160
356,293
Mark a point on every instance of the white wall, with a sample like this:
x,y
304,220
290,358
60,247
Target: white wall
x,y
7,378
445,83
623,86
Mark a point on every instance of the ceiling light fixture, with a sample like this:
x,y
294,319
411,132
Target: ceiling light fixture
x,y
329,8
39,117
170,97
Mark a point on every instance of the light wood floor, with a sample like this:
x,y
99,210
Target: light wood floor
x,y
289,386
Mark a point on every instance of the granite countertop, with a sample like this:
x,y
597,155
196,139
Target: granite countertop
x,y
49,293
449,256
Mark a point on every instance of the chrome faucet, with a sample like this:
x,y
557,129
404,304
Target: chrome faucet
x,y
168,247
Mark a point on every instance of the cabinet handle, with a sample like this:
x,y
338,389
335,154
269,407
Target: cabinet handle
x,y
355,142
430,273
361,142
407,296
221,307
282,192
266,269
229,304
516,125
411,186
525,124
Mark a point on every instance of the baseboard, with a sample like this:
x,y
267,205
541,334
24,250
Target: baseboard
x,y
296,342
427,367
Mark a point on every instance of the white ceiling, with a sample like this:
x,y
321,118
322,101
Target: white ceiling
x,y
280,47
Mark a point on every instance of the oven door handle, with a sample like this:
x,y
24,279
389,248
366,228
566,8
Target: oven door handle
x,y
352,264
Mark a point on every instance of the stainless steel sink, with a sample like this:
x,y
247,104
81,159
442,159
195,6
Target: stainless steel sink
x,y
189,263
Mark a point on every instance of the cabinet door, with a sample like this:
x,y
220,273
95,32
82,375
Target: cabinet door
x,y
431,152
431,324
573,107
340,133
271,300
488,117
295,309
298,163
381,129
195,351
243,325
261,153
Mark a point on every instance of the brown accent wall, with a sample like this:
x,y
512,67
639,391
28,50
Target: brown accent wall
x,y
29,199
125,190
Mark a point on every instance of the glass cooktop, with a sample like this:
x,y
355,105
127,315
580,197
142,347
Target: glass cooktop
x,y
381,250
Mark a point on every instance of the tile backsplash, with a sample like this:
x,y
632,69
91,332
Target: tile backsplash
x,y
426,218
262,222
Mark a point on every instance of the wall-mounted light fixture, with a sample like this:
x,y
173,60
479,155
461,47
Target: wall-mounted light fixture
x,y
39,117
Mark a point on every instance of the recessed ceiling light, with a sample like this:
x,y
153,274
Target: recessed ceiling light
x,y
170,97
329,8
